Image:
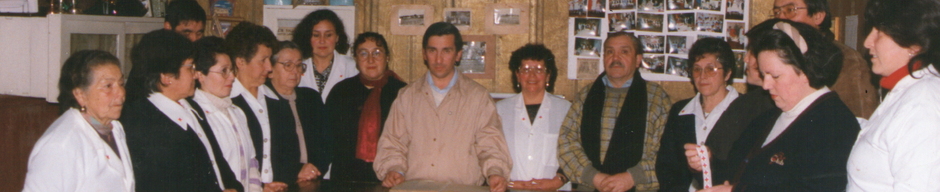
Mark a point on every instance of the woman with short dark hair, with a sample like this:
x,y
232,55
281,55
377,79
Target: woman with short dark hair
x,y
897,151
323,43
85,149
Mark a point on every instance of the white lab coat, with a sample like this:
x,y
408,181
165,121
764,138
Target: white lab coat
x,y
231,132
533,146
259,106
343,67
70,156
897,149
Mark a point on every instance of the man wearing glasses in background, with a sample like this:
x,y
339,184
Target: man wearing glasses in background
x,y
854,84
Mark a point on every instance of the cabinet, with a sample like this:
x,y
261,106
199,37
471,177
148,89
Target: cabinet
x,y
33,49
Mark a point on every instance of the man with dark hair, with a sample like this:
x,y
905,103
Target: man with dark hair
x,y
611,135
854,84
185,17
443,126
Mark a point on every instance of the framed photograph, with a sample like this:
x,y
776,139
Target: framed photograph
x,y
706,22
735,10
677,66
410,19
460,17
711,5
649,22
681,22
587,47
587,27
653,43
588,68
577,8
679,4
655,63
702,36
677,44
739,65
736,35
651,5
622,4
621,21
510,18
479,54
315,2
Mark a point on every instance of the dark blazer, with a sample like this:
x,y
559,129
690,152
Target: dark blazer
x,y
285,146
165,157
672,168
810,155
345,106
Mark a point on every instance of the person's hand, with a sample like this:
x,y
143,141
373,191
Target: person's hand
x,y
307,173
497,183
275,187
727,187
392,178
537,184
617,183
598,179
691,155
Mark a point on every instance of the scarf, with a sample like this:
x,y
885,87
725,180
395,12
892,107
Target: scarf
x,y
888,82
626,142
370,121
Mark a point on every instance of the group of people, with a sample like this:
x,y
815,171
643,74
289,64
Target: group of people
x,y
249,113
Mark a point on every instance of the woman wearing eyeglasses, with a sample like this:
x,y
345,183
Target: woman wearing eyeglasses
x,y
299,143
700,120
532,119
214,79
358,108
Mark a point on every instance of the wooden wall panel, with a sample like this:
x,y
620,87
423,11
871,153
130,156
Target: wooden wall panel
x,y
23,121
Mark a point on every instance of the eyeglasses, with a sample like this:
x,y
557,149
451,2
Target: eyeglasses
x,y
365,54
225,72
707,71
539,70
294,66
191,67
786,10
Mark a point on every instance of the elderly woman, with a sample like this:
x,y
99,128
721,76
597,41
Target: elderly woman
x,y
358,109
299,145
714,118
803,145
324,44
214,82
85,149
532,119
897,149
172,146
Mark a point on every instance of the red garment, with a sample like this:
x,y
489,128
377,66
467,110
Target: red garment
x,y
889,81
370,121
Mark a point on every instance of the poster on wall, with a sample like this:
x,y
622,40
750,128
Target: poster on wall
x,y
666,30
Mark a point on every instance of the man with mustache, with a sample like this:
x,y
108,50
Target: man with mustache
x,y
611,135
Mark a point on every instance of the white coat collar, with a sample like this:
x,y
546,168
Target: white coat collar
x,y
119,163
180,112
703,124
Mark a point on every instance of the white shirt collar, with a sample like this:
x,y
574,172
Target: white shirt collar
x,y
787,117
263,91
704,125
180,112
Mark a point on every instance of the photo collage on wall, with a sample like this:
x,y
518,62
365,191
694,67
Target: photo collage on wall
x,y
666,30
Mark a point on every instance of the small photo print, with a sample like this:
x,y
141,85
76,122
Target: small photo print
x,y
653,43
679,4
677,66
735,10
651,5
736,35
411,17
655,63
474,58
458,18
712,5
587,27
700,36
507,16
588,68
681,22
587,47
586,8
621,21
649,22
677,44
739,65
706,22
622,4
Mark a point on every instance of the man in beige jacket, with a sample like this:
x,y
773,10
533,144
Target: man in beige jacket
x,y
443,126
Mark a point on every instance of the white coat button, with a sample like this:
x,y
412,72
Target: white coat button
x,y
265,171
265,140
260,110
265,156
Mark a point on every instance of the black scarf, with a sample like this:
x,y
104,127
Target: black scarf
x,y
626,142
